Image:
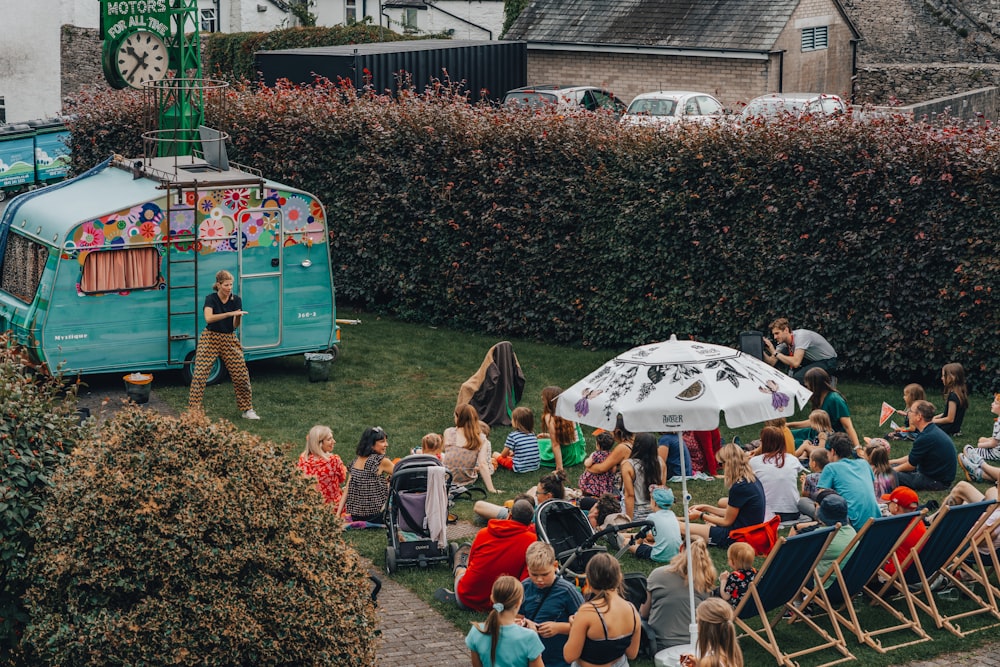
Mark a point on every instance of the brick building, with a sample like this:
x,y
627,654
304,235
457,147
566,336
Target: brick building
x,y
733,49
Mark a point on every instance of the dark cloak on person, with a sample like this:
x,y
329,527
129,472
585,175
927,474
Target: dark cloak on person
x,y
496,388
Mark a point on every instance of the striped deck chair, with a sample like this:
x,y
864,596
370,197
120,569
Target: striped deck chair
x,y
849,575
945,541
789,566
976,568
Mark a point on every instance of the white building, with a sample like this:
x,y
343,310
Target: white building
x,y
31,35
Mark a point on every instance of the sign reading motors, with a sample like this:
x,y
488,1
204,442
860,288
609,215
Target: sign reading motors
x,y
125,16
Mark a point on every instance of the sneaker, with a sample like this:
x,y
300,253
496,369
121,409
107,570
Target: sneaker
x,y
462,556
972,455
250,414
444,595
973,472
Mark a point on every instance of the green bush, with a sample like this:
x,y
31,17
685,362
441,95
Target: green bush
x,y
39,426
230,56
570,228
181,541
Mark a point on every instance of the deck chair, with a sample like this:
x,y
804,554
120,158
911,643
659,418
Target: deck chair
x,y
789,566
849,575
975,566
945,541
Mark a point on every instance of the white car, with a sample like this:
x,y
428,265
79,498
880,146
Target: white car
x,y
564,97
767,107
673,106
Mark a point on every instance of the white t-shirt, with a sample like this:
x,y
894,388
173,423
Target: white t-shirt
x,y
781,485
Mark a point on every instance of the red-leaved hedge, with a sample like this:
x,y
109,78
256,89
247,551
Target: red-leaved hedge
x,y
571,228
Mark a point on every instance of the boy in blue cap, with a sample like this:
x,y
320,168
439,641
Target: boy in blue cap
x,y
664,541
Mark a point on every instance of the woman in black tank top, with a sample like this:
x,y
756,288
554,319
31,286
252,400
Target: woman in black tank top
x,y
605,631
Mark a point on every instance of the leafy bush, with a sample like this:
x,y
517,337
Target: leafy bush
x,y
181,541
39,426
570,228
230,56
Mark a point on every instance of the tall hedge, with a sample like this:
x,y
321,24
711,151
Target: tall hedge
x,y
186,542
571,228
39,428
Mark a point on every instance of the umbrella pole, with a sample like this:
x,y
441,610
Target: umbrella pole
x,y
693,627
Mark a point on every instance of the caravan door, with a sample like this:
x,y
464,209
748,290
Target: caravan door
x,y
261,240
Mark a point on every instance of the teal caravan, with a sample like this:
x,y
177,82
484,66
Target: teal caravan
x,y
108,271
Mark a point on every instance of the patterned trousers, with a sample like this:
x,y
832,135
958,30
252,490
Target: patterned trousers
x,y
211,346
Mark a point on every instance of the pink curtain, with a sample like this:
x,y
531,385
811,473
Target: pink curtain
x,y
120,270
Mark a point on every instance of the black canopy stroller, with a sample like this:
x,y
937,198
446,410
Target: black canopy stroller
x,y
568,530
417,514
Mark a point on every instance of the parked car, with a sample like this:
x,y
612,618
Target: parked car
x,y
673,106
797,104
564,97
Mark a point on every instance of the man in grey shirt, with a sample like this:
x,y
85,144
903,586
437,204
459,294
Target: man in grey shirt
x,y
798,350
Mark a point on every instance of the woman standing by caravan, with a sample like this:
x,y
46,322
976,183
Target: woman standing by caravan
x,y
223,313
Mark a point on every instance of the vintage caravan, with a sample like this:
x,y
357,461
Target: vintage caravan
x,y
108,271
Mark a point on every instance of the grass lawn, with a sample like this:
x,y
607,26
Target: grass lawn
x,y
405,378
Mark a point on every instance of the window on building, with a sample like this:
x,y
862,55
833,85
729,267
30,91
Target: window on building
x,y
3,111
120,270
350,11
410,19
209,20
814,39
23,263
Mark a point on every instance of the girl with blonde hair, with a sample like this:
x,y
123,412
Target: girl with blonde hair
x,y
467,452
744,506
667,605
318,460
503,639
717,643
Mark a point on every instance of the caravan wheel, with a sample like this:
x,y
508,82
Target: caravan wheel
x,y
215,376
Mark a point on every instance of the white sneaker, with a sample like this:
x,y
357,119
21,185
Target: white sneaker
x,y
250,414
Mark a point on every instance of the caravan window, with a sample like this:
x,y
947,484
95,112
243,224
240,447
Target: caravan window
x,y
120,270
23,263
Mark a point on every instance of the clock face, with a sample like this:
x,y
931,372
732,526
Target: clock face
x,y
141,57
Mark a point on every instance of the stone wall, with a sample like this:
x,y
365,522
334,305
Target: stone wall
x,y
81,60
882,83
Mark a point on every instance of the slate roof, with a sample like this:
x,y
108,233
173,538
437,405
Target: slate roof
x,y
738,25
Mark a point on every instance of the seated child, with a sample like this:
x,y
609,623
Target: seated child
x,y
734,584
820,428
431,444
911,393
810,483
878,459
598,483
663,542
986,449
520,450
549,602
503,639
781,423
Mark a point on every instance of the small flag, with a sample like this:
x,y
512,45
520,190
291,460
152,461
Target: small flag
x,y
887,411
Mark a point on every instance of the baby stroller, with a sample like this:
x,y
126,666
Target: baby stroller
x,y
417,514
568,530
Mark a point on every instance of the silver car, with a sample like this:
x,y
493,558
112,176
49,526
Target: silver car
x,y
564,97
771,106
673,106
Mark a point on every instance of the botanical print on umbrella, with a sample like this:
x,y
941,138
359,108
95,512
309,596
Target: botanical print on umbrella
x,y
779,400
583,405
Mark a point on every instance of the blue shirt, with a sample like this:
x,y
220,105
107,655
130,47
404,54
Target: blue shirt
x,y
562,601
933,454
853,479
516,647
524,447
667,531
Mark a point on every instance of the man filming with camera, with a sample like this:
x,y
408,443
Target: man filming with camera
x,y
798,350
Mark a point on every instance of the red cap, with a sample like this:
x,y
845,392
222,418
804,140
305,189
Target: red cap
x,y
903,496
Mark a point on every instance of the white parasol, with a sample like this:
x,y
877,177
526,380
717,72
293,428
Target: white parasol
x,y
678,386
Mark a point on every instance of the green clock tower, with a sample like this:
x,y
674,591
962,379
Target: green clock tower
x,y
155,45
